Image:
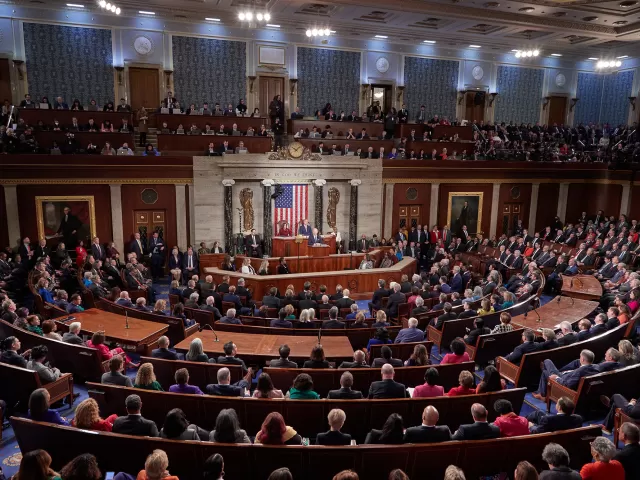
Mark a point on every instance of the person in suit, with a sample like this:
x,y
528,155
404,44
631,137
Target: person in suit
x,y
230,318
528,345
190,264
387,387
124,300
334,436
446,316
305,228
271,300
157,250
378,295
333,321
481,429
69,226
210,304
134,423
252,244
307,301
230,351
629,456
224,388
566,377
115,376
429,431
567,335
163,350
315,238
564,419
479,329
395,299
280,322
385,351
283,268
410,334
558,460
136,246
73,335
46,374
617,401
283,361
359,361
345,301
345,392
600,325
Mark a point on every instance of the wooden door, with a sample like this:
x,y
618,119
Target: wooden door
x,y
474,109
5,81
269,87
511,213
557,110
408,216
144,85
149,221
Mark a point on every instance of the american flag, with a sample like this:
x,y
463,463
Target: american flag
x,y
292,206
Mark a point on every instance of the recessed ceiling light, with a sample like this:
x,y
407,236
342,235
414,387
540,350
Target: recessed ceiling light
x,y
272,25
212,19
475,46
623,56
514,50
332,31
146,13
381,36
556,54
592,58
76,5
429,41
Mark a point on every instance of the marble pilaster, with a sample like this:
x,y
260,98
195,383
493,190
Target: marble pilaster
x,y
192,216
353,213
181,216
318,204
495,199
626,199
388,210
13,221
116,216
433,205
563,195
267,228
533,207
228,214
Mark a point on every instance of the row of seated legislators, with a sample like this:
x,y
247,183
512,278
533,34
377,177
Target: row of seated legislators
x,y
399,152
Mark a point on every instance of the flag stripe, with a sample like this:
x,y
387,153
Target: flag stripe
x,y
292,206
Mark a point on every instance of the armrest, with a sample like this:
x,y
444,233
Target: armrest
x,y
471,351
191,330
507,369
61,388
434,335
556,390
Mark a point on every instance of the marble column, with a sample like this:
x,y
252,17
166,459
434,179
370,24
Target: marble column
x,y
318,204
563,195
267,226
388,210
13,221
192,216
116,216
495,199
228,214
353,213
533,207
433,205
181,216
626,199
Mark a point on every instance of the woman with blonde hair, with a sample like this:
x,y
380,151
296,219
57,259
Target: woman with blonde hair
x,y
264,268
381,320
485,307
88,417
146,378
155,467
196,352
247,268
629,353
312,314
159,307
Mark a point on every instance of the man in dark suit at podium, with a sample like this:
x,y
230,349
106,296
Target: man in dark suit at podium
x,y
305,228
314,238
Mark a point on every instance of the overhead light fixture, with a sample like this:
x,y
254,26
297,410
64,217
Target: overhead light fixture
x,y
429,41
514,50
212,19
249,16
143,12
592,58
602,64
556,54
319,32
623,56
526,53
75,5
273,25
381,36
475,46
109,7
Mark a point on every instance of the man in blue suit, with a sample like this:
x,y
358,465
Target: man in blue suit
x,y
189,264
156,248
568,378
411,334
305,228
565,419
136,246
456,282
528,345
315,238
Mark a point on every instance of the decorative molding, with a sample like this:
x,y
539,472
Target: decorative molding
x,y
320,182
93,181
445,181
268,182
228,182
355,182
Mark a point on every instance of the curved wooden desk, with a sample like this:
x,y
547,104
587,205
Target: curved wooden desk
x,y
584,287
358,281
554,312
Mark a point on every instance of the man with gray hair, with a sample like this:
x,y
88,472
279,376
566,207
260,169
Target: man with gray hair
x,y
395,299
333,321
629,456
73,335
359,361
134,423
230,317
124,300
567,336
193,301
567,377
224,388
387,387
420,308
412,333
480,429
210,306
345,392
558,460
141,304
163,350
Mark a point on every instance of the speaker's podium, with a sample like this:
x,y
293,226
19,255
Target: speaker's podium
x,y
286,247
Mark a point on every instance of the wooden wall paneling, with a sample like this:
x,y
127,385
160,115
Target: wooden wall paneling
x,y
485,188
585,197
27,206
514,194
547,205
5,80
132,201
402,192
4,228
634,204
144,87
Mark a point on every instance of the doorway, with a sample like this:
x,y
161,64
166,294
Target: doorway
x,y
149,221
144,87
474,105
511,213
381,96
408,216
557,110
269,87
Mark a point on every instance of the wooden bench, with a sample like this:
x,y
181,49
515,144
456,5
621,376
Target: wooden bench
x,y
527,374
177,331
200,373
371,462
308,417
619,419
398,350
82,362
17,384
492,345
587,396
327,379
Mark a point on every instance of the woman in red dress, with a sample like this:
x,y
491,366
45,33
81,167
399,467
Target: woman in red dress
x,y
97,342
285,231
81,254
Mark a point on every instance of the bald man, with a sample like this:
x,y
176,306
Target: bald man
x,y
429,431
480,429
387,387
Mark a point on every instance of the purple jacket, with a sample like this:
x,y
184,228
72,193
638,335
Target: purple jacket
x,y
192,389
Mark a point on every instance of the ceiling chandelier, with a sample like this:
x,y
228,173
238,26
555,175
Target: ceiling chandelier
x,y
248,16
527,53
318,32
608,64
109,7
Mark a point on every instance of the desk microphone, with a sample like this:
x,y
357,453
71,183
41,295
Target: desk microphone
x,y
203,327
126,319
535,309
320,336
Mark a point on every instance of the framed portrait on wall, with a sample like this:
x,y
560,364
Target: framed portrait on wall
x,y
465,208
67,219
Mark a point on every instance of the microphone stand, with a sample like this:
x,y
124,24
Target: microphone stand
x,y
204,327
126,319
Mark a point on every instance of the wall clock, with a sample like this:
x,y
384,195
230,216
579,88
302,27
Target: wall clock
x,y
477,72
560,80
142,45
382,64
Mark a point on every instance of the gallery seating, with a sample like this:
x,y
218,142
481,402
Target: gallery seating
x,y
492,345
399,350
373,462
308,417
200,373
17,384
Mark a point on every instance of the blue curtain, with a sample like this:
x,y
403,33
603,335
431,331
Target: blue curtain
x,y
519,94
615,110
589,92
432,83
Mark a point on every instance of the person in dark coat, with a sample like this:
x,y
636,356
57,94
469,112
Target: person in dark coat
x,y
334,436
429,431
558,460
481,429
